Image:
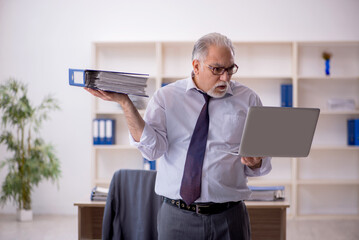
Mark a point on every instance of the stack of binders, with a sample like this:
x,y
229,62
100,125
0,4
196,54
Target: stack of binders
x,y
353,132
103,131
286,95
270,193
120,82
99,194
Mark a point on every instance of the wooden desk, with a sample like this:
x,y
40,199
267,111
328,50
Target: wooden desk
x,y
268,219
90,215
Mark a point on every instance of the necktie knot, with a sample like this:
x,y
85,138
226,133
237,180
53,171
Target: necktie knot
x,y
206,96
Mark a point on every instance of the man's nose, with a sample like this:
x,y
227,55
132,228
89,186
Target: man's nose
x,y
225,76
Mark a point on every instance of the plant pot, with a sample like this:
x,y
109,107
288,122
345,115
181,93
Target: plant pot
x,y
23,215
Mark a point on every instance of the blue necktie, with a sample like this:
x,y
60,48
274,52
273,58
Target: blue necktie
x,y
192,175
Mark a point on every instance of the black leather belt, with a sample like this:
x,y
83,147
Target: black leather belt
x,y
201,208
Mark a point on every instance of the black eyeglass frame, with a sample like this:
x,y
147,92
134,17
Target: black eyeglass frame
x,y
223,69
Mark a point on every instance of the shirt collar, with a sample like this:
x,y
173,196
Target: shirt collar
x,y
192,85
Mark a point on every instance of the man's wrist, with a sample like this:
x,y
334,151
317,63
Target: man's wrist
x,y
258,165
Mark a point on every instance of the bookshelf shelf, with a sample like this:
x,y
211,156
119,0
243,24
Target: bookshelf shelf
x,y
315,185
328,182
115,147
240,77
286,182
341,112
176,77
116,112
334,148
330,78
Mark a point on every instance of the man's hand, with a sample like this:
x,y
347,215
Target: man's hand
x,y
252,162
109,96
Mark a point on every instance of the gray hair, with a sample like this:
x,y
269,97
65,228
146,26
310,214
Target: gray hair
x,y
200,49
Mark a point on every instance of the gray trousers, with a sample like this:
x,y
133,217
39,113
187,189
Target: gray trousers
x,y
174,223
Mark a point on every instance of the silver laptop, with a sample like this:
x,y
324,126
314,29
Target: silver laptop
x,y
278,132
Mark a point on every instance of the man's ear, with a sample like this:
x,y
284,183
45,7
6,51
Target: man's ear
x,y
196,66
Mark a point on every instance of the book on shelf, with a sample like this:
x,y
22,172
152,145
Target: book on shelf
x,y
267,193
337,104
286,95
120,82
353,132
103,131
99,193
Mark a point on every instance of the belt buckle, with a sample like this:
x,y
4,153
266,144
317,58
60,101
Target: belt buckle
x,y
198,208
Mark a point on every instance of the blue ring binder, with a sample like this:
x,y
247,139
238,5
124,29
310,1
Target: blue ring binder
x,y
72,77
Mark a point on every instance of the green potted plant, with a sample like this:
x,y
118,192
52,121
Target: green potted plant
x,y
32,160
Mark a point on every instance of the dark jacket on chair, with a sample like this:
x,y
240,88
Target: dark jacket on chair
x,y
132,206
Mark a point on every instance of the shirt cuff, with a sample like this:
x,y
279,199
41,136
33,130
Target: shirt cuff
x,y
145,139
264,169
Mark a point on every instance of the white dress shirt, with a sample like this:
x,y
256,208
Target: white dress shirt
x,y
170,118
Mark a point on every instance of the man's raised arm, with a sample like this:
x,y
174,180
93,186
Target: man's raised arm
x,y
135,122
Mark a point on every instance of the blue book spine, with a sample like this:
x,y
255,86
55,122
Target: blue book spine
x,y
350,131
153,165
286,95
109,131
149,165
102,132
96,132
356,132
353,132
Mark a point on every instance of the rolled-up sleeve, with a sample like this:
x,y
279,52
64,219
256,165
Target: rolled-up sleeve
x,y
153,142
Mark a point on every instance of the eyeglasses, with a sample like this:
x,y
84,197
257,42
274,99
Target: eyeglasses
x,y
220,70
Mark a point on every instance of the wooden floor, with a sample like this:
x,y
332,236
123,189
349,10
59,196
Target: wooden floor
x,y
54,227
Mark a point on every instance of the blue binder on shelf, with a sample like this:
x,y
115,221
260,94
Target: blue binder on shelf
x,y
149,165
103,131
353,132
286,95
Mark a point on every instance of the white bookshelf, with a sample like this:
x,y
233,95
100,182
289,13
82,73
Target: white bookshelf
x,y
323,185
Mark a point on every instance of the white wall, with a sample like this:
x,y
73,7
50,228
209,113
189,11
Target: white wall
x,y
40,40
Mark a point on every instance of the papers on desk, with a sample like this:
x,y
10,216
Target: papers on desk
x,y
268,193
99,194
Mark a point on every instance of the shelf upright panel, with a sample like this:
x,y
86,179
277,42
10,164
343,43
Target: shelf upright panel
x,y
159,64
94,62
